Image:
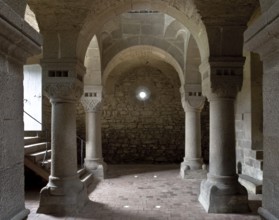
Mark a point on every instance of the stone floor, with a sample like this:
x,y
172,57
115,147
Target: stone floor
x,y
143,192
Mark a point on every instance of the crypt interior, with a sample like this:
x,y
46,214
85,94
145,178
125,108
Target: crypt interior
x,y
139,109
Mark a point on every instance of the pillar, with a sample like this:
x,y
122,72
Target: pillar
x,y
221,191
92,103
18,41
193,103
64,193
262,38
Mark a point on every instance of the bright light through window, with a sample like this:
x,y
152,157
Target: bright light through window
x,y
142,93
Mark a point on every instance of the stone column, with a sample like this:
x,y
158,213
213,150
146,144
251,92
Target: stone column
x,y
193,102
64,193
92,103
221,191
18,41
262,38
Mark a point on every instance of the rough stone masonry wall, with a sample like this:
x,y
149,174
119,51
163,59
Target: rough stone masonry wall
x,y
248,120
11,138
150,131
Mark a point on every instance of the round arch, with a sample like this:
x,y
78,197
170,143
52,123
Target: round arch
x,y
183,11
141,54
121,45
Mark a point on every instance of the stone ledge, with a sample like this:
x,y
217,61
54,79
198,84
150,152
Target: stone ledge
x,y
265,214
261,36
21,215
266,18
251,184
15,20
17,38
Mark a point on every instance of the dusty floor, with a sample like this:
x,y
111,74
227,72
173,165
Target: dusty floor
x,y
144,192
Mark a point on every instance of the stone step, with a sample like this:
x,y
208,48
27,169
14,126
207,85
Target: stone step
x,y
39,156
35,133
81,172
85,177
32,140
33,148
251,184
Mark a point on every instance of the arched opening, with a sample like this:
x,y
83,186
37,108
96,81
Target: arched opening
x,y
93,64
143,119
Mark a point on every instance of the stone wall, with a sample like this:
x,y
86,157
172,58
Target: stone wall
x,y
141,132
136,131
11,138
249,130
17,41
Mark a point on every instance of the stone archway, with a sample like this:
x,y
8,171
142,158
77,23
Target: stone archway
x,y
142,54
183,11
143,130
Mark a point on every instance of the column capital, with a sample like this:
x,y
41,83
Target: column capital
x,y
92,98
191,97
222,77
91,104
56,69
65,91
63,79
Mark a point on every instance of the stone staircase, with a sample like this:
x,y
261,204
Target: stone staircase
x,y
37,157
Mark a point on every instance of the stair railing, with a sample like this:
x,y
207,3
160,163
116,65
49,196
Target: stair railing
x,y
82,144
46,136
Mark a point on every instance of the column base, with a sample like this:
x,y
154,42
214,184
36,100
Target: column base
x,y
21,215
63,196
192,164
192,174
223,195
97,167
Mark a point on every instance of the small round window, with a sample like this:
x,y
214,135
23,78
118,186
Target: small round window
x,y
143,93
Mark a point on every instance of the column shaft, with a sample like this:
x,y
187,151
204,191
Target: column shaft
x,y
63,140
222,138
193,135
93,135
221,192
